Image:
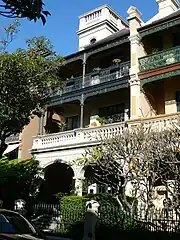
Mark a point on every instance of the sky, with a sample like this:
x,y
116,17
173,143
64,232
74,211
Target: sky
x,y
62,25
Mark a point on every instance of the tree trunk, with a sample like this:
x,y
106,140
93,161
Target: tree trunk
x,y
3,146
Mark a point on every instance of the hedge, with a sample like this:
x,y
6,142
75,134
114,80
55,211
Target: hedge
x,y
72,215
110,215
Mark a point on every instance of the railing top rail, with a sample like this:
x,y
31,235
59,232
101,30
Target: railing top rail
x,y
78,130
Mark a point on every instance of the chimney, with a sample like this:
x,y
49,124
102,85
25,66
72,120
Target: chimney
x,y
166,7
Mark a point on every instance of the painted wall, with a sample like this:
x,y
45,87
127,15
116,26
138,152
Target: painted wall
x,y
170,87
146,108
112,98
26,138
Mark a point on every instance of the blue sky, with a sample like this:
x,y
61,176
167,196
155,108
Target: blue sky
x,y
62,25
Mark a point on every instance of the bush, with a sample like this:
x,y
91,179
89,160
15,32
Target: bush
x,y
111,215
72,214
103,199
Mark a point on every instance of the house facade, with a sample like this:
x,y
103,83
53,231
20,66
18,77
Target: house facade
x,y
122,74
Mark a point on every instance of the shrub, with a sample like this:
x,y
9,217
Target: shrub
x,y
72,213
111,215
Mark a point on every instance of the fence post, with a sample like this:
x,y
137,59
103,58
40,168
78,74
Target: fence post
x,y
91,217
19,206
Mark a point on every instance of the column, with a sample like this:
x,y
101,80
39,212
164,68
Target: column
x,y
79,186
82,111
84,70
135,106
137,51
126,114
41,123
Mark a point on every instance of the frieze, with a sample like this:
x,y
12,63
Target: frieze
x,y
160,28
159,77
91,91
107,46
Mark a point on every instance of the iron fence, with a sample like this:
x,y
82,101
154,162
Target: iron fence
x,y
53,218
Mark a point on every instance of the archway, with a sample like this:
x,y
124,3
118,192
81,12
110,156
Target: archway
x,y
58,179
91,185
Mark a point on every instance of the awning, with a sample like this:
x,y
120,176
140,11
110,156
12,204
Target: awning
x,y
10,148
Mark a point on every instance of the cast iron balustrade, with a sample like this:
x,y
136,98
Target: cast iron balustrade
x,y
91,79
160,59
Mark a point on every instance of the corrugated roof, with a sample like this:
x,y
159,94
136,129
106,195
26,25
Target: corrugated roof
x,y
161,20
122,33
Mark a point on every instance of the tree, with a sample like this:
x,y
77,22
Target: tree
x,y
18,178
27,78
31,9
141,158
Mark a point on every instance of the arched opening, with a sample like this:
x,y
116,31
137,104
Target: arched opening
x,y
91,185
58,179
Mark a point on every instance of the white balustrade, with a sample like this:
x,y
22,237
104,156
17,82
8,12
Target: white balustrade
x,y
95,134
84,135
158,122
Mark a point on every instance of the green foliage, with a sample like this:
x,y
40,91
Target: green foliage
x,y
9,34
18,178
111,216
72,212
31,9
27,78
103,199
18,170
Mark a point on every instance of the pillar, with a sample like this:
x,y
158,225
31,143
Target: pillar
x,y
41,123
78,186
137,51
84,70
82,111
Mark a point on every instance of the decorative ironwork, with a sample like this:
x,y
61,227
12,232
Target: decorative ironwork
x,y
159,77
160,59
106,75
108,46
114,118
160,28
12,138
102,76
80,55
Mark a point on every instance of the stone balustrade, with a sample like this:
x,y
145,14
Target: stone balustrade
x,y
77,136
92,135
159,122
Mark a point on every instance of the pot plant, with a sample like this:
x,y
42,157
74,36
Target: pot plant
x,y
116,63
62,126
96,71
101,121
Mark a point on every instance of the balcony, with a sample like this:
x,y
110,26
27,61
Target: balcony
x,y
12,138
75,137
160,59
91,136
94,78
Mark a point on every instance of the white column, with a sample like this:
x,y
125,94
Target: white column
x,y
79,186
126,114
137,51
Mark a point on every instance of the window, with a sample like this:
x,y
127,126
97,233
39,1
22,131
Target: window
x,y
72,122
176,39
93,40
114,113
178,101
13,223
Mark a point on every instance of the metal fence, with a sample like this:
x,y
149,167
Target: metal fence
x,y
50,217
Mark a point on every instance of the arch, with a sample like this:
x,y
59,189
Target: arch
x,y
58,178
